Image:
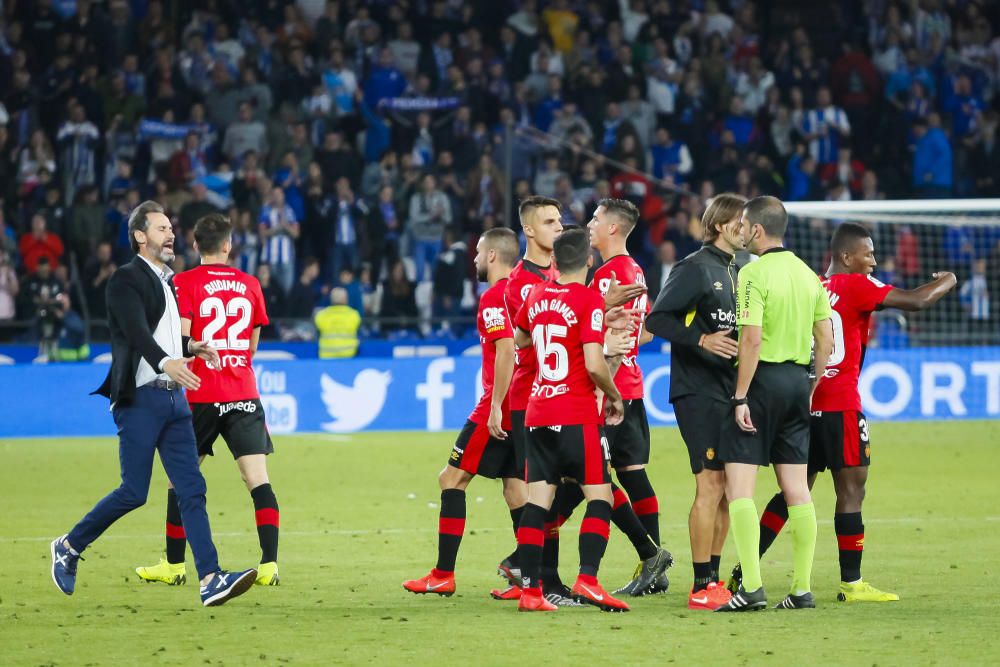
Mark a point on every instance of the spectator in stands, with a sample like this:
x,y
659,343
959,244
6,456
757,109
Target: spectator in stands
x,y
846,170
40,243
825,127
984,163
187,164
274,301
349,229
41,294
78,140
95,279
9,288
278,229
246,244
974,295
398,310
430,213
384,80
753,85
932,175
449,285
659,271
301,300
338,326
246,134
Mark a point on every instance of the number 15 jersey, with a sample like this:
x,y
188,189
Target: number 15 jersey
x,y
224,305
561,319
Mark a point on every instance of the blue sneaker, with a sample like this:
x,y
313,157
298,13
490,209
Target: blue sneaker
x,y
63,565
225,586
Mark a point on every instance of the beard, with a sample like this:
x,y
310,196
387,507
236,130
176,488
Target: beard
x,y
482,274
165,255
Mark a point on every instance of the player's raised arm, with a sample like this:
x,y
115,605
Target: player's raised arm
x,y
923,297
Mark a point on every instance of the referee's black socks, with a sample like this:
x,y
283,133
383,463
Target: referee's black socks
x,y
266,516
643,499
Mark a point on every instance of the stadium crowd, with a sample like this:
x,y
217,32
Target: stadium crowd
x,y
366,145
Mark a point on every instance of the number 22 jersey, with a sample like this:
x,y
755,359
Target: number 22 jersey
x,y
561,319
224,305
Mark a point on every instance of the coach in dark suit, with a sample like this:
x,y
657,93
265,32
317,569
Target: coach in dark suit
x,y
148,371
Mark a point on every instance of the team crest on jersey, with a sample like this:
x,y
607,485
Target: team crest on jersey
x,y
494,319
597,320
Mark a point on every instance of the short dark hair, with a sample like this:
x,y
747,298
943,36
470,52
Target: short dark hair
x,y
845,236
504,242
535,201
625,210
211,231
138,220
571,250
769,213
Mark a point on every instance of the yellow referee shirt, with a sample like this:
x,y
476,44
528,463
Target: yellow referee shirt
x,y
780,294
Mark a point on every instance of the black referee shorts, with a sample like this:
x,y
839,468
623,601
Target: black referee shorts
x,y
779,408
629,440
240,423
700,420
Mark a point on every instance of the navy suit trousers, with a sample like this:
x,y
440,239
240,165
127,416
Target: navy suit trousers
x,y
156,420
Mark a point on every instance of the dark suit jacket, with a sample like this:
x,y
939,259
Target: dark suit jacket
x,y
135,305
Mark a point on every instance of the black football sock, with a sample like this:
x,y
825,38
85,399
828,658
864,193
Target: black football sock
x,y
702,576
568,497
594,532
643,499
530,538
515,519
451,527
627,522
851,542
176,539
265,507
772,521
715,561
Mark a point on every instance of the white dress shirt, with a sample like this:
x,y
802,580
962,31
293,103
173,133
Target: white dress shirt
x,y
167,333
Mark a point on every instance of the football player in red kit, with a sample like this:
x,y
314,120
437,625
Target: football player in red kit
x,y
224,307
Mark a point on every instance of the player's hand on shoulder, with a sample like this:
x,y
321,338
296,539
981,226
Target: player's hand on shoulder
x,y
614,411
205,352
619,294
720,344
179,372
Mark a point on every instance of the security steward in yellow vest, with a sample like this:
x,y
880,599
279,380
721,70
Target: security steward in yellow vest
x,y
338,326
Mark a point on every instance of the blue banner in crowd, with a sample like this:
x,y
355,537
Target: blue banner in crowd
x,y
438,394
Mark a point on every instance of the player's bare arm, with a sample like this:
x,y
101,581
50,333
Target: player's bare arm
x,y
198,348
254,341
522,339
922,297
622,319
749,356
823,340
597,368
503,370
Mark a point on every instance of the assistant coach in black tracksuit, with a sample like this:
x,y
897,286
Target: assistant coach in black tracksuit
x,y
145,385
696,312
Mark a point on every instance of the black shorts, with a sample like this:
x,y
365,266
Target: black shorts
x,y
779,409
518,438
240,423
579,451
479,453
629,441
700,419
838,440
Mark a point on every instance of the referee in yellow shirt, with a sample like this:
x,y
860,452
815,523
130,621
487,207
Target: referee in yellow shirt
x,y
781,309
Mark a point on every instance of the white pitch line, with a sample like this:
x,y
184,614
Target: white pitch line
x,y
392,531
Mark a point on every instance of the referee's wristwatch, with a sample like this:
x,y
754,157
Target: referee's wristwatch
x,y
733,401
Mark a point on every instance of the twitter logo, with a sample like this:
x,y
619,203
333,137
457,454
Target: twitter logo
x,y
354,407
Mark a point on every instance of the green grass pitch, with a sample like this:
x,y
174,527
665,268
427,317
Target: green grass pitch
x,y
359,516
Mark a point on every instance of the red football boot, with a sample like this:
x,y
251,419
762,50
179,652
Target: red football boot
x,y
437,582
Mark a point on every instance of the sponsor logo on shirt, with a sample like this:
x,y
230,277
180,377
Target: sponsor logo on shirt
x,y
547,391
597,320
724,316
494,319
717,285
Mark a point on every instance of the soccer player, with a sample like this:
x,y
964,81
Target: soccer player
x,y
224,308
563,321
838,429
696,311
637,513
782,310
482,447
541,222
